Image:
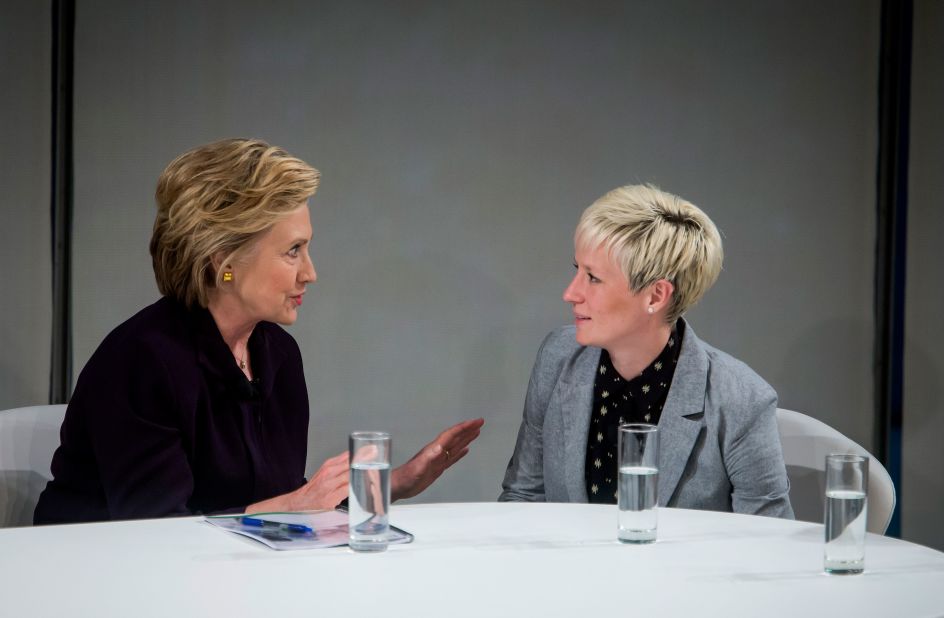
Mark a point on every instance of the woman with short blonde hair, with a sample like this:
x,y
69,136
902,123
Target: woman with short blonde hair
x,y
643,257
655,235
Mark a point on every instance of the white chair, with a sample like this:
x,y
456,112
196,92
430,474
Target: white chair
x,y
806,442
28,438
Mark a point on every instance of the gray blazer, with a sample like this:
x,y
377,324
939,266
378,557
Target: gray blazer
x,y
719,445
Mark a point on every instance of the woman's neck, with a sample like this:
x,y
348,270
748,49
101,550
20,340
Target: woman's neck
x,y
631,358
233,326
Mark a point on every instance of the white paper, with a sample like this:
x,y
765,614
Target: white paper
x,y
330,529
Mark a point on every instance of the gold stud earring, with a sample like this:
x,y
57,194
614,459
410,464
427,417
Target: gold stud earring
x,y
227,276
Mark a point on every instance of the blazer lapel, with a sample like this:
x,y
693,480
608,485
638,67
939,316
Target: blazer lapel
x,y
576,401
683,415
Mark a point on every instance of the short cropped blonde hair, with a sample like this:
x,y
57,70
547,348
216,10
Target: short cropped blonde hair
x,y
215,200
655,235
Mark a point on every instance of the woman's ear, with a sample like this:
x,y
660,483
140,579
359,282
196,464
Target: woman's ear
x,y
216,261
660,295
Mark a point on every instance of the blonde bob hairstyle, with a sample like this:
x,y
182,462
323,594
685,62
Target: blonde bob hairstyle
x,y
213,201
655,235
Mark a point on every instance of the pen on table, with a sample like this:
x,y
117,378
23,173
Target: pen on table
x,y
264,523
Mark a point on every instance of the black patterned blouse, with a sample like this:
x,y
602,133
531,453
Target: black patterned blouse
x,y
617,401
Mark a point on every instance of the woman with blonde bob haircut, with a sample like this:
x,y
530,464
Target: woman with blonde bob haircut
x,y
198,404
643,257
244,187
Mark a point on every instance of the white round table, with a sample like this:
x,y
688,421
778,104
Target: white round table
x,y
474,559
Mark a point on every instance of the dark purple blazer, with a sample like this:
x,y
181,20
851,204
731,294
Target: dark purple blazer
x,y
163,422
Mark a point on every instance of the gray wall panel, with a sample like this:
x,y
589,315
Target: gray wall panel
x,y
459,143
25,273
923,457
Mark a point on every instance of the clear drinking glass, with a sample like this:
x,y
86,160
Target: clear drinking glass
x,y
847,481
638,482
369,493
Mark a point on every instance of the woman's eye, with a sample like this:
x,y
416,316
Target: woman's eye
x,y
592,278
293,252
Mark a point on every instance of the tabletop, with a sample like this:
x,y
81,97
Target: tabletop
x,y
472,559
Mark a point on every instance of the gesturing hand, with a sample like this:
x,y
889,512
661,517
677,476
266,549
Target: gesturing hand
x,y
432,460
326,488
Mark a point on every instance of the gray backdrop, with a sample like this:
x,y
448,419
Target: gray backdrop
x,y
459,143
923,456
25,268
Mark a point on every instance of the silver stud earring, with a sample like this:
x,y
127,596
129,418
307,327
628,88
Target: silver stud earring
x,y
651,310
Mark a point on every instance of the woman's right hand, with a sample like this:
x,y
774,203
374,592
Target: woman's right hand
x,y
324,490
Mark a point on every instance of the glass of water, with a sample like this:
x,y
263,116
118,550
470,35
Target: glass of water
x,y
638,482
369,492
847,480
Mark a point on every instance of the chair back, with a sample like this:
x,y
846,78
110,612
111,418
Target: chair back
x,y
806,442
28,438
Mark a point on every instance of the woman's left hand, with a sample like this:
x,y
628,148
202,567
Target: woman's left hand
x,y
432,460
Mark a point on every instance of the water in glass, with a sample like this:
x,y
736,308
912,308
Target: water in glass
x,y
845,531
637,504
369,506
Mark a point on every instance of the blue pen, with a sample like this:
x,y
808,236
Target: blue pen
x,y
263,523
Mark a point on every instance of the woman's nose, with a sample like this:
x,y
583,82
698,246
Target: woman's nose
x,y
307,273
572,292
